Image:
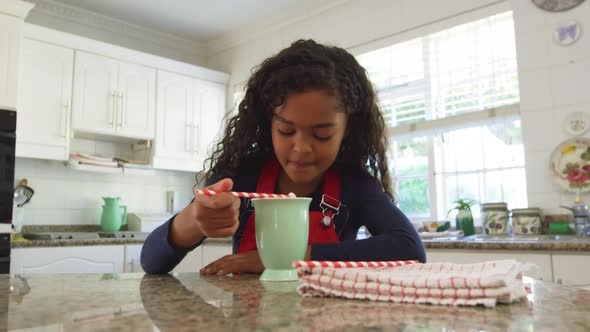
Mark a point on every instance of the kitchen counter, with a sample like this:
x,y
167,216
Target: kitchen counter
x,y
539,242
188,301
97,242
26,243
567,244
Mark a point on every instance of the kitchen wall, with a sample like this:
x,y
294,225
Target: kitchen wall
x,y
553,79
67,196
63,17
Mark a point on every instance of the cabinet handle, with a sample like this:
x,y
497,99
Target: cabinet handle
x,y
192,128
122,110
187,128
197,142
113,106
64,115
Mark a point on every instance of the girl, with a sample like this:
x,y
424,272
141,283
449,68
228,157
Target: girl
x,y
309,124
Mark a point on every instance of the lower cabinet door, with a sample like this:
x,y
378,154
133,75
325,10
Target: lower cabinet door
x,y
539,264
213,251
192,262
87,259
133,258
571,269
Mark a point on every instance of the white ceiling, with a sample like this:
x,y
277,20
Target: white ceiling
x,y
198,20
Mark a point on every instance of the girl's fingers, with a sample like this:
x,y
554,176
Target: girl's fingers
x,y
219,201
211,214
216,266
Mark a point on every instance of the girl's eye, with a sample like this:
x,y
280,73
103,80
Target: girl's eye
x,y
322,138
323,134
286,133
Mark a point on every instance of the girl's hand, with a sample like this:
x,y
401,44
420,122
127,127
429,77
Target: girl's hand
x,y
217,215
246,262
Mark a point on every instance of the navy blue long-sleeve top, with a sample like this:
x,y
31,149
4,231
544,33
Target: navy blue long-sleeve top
x,y
363,204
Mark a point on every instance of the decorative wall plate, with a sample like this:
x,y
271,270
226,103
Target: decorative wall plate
x,y
557,5
567,33
577,123
570,164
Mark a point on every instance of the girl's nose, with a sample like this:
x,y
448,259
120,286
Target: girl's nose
x,y
301,143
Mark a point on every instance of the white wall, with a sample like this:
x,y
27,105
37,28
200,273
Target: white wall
x,y
553,79
67,196
348,24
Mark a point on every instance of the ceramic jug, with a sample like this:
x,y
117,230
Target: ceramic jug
x,y
111,218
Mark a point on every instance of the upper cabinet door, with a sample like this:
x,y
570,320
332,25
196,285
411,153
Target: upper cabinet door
x,y
96,100
10,37
174,122
137,101
209,112
44,100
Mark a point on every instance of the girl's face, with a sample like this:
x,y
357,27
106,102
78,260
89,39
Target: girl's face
x,y
307,131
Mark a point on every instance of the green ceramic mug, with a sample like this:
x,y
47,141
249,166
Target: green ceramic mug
x,y
282,233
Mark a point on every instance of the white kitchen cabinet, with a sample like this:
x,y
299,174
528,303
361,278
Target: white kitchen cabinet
x,y
213,251
208,112
113,98
133,258
86,259
540,267
10,36
189,116
172,148
12,14
192,262
571,269
44,100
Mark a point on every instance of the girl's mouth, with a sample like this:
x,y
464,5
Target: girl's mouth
x,y
300,165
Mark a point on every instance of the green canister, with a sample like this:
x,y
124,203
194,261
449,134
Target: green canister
x,y
495,218
526,221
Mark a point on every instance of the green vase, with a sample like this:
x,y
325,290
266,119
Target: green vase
x,y
111,218
464,221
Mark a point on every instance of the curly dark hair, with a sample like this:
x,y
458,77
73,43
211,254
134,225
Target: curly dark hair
x,y
304,66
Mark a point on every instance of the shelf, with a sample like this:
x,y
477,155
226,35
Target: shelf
x,y
105,169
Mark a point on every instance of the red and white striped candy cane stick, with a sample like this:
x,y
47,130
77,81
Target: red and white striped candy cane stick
x,y
209,192
349,264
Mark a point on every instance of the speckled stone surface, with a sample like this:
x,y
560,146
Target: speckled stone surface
x,y
565,243
84,242
64,228
190,302
72,243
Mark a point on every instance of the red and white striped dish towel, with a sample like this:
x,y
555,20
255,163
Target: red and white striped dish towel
x,y
484,283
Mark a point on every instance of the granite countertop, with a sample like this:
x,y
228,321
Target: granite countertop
x,y
188,301
569,244
72,243
97,242
538,242
25,243
532,242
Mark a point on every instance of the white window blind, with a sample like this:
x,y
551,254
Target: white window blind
x,y
468,68
450,101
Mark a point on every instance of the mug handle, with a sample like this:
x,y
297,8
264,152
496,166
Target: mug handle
x,y
124,216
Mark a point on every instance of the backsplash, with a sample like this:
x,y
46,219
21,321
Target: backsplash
x,y
67,196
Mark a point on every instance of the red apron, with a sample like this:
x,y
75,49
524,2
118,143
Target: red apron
x,y
318,233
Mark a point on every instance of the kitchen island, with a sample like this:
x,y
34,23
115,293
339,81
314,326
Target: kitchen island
x,y
189,302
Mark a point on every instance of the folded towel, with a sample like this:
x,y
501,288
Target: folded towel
x,y
409,282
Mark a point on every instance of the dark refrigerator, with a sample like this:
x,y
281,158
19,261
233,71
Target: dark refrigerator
x,y
7,151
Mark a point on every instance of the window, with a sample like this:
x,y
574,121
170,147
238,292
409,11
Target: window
x,y
450,101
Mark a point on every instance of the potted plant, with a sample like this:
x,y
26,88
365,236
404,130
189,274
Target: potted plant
x,y
464,217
